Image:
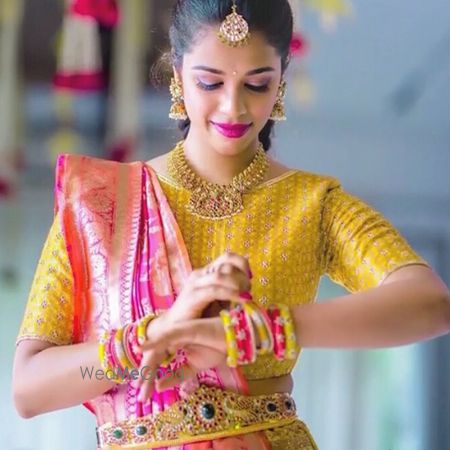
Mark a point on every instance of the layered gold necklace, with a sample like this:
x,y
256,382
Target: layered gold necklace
x,y
210,200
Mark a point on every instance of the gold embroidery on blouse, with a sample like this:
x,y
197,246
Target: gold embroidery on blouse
x,y
49,311
295,229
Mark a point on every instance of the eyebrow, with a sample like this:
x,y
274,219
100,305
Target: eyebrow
x,y
219,72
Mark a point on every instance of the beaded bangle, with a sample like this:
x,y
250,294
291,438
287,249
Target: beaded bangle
x,y
230,337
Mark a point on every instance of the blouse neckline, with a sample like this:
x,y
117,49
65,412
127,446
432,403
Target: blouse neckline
x,y
264,184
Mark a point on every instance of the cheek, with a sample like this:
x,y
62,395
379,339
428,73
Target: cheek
x,y
262,107
197,103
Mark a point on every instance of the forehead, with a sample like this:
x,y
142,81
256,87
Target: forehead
x,y
208,50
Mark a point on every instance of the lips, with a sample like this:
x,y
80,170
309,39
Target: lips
x,y
231,130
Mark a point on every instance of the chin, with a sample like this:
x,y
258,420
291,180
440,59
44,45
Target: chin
x,y
231,146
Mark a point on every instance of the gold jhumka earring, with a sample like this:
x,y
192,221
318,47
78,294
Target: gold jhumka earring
x,y
234,30
178,108
278,112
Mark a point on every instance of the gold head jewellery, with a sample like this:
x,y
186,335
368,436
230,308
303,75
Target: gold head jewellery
x,y
214,201
234,30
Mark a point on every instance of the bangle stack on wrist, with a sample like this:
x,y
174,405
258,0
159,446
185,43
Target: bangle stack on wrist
x,y
119,350
274,328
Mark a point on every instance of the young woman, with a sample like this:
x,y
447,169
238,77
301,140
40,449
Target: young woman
x,y
205,263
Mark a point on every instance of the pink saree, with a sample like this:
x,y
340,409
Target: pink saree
x,y
129,260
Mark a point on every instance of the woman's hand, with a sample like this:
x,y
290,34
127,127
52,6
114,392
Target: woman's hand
x,y
203,341
225,279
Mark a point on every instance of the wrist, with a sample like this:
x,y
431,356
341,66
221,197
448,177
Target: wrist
x,y
157,325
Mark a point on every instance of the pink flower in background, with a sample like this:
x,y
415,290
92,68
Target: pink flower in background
x,y
299,45
6,188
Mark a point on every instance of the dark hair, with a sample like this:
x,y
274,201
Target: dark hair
x,y
273,18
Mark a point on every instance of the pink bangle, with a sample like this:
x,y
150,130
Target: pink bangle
x,y
277,332
127,346
113,359
134,345
250,343
241,335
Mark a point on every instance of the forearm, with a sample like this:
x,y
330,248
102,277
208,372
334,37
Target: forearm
x,y
53,378
398,313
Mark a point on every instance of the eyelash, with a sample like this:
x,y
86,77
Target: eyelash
x,y
212,87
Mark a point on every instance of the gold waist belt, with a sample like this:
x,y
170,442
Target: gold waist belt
x,y
208,413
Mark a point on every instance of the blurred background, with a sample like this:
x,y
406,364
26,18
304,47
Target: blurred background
x,y
368,103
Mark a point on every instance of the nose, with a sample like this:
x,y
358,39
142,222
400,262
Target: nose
x,y
232,104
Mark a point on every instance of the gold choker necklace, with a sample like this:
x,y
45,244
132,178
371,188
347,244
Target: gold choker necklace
x,y
210,200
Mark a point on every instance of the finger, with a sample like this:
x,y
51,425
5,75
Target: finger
x,y
164,340
146,382
208,332
232,280
208,294
236,260
183,373
147,373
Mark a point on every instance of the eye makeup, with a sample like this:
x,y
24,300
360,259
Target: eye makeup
x,y
213,86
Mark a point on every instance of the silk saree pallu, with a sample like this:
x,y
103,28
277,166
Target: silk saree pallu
x,y
129,260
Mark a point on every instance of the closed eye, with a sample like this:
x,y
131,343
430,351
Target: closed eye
x,y
211,87
258,88
208,87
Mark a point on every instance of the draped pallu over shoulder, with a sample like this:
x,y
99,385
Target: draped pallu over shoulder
x,y
99,204
128,259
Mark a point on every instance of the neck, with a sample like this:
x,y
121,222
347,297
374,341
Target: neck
x,y
213,166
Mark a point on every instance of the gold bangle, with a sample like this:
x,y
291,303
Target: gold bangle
x,y
142,328
230,337
289,332
102,351
124,361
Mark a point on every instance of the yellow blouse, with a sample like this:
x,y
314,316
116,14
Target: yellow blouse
x,y
293,229
49,312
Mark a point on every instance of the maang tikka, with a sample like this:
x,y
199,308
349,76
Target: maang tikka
x,y
234,30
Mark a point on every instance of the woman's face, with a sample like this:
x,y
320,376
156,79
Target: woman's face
x,y
225,86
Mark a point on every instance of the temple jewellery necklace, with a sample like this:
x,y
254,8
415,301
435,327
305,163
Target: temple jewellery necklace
x,y
210,200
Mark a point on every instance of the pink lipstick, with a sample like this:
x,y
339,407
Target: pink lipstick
x,y
233,131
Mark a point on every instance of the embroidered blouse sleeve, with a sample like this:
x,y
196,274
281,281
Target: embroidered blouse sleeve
x,y
360,247
49,312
